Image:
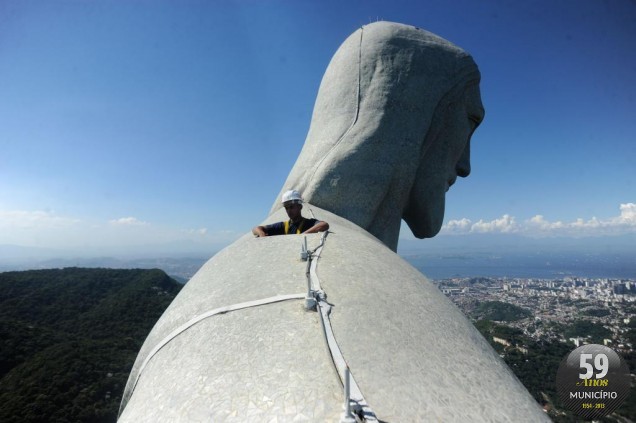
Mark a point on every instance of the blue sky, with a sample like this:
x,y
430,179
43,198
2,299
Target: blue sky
x,y
131,124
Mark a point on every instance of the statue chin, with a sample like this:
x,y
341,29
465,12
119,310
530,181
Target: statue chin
x,y
421,232
424,226
424,214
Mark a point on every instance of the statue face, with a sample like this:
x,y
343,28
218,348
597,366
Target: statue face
x,y
382,125
447,158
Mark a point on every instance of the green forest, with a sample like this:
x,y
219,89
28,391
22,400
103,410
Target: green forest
x,y
70,337
501,312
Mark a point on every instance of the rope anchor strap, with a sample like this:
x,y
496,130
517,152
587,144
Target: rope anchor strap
x,y
354,400
221,310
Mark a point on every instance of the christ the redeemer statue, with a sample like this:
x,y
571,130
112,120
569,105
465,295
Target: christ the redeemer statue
x,y
355,333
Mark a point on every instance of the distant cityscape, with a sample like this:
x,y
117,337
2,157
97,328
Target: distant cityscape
x,y
554,304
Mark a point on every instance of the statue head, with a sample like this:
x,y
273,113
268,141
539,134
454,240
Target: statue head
x,y
390,131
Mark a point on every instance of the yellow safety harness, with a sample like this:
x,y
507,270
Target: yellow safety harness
x,y
298,231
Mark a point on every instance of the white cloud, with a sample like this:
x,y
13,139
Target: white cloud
x,y
128,221
458,226
538,222
539,226
200,231
127,234
506,224
33,219
38,228
628,214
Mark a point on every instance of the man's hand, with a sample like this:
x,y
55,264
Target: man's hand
x,y
259,231
318,227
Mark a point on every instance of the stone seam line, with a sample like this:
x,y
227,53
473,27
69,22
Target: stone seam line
x,y
355,117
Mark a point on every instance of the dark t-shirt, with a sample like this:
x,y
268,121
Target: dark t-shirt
x,y
278,228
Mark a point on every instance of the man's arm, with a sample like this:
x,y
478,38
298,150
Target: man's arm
x,y
320,226
259,231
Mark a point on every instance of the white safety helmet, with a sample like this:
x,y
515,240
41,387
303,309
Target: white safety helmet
x,y
293,196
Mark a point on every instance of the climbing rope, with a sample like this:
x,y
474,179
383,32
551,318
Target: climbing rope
x,y
352,391
199,318
353,396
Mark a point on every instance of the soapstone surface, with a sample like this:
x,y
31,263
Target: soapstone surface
x,y
414,356
259,364
390,130
407,345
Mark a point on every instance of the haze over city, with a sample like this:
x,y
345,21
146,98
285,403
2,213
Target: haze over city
x,y
169,127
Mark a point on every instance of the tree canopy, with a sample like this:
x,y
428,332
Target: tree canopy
x,y
70,337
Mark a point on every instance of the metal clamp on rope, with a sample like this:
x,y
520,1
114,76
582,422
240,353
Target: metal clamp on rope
x,y
304,254
347,415
310,301
310,298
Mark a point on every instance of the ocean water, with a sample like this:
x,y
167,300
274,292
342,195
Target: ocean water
x,y
543,266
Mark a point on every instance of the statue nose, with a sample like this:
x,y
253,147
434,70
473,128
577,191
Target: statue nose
x,y
463,165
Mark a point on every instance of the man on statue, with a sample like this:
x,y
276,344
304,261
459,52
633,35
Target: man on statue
x,y
297,224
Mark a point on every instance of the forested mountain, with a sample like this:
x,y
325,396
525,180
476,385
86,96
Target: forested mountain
x,y
70,337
